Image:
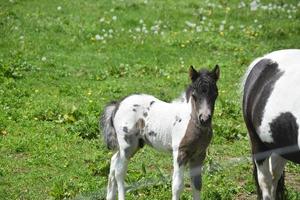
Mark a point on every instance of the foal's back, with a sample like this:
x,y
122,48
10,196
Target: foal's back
x,y
160,119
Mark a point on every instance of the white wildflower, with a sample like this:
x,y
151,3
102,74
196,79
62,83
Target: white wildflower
x,y
221,28
190,24
114,18
198,29
138,29
241,4
264,7
253,5
58,8
44,58
102,19
141,21
110,31
154,28
98,37
231,27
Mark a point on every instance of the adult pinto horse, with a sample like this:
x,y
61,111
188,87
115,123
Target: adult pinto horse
x,y
271,108
182,127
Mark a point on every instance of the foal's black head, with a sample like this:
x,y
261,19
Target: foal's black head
x,y
203,93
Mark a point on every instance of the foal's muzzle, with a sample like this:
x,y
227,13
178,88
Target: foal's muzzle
x,y
204,119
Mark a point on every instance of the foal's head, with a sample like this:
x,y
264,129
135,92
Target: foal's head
x,y
203,93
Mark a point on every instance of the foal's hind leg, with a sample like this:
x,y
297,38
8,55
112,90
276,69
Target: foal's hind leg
x,y
128,145
112,184
120,172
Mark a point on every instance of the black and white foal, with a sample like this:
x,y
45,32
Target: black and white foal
x,y
182,127
271,107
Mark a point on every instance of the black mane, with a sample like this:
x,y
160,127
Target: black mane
x,y
204,76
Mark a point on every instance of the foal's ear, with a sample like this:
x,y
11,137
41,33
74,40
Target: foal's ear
x,y
193,73
215,73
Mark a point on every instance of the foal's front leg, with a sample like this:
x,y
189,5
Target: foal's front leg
x,y
178,178
195,175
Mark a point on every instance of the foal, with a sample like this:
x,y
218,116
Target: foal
x,y
271,107
182,127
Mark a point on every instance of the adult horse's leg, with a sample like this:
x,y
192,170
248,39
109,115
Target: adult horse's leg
x,y
277,169
261,172
195,175
177,179
112,184
270,177
264,178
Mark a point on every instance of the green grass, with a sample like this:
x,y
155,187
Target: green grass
x,y
62,61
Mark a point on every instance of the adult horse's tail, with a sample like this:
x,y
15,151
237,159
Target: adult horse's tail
x,y
107,124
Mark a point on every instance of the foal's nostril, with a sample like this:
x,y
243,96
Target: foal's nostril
x,y
204,119
200,117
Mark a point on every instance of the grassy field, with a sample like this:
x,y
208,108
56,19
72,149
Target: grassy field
x,y
62,61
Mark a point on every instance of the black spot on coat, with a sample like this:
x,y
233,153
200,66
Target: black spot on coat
x,y
152,133
284,130
125,129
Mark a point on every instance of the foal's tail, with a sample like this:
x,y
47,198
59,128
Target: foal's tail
x,y
108,129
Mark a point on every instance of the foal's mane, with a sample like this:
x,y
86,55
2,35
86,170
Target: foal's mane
x,y
188,92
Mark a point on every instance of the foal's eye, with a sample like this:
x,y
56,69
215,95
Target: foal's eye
x,y
194,95
204,90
